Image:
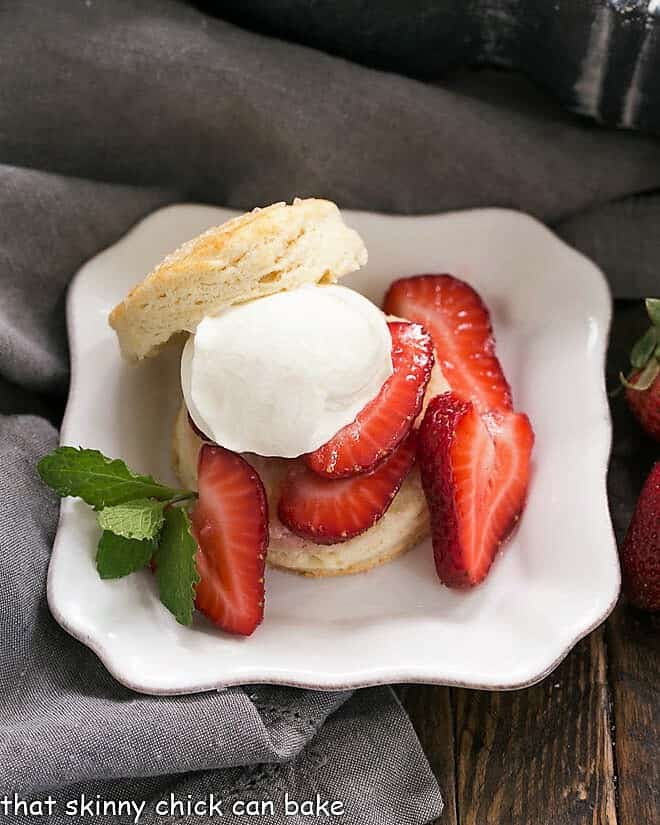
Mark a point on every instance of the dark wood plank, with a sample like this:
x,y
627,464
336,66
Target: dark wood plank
x,y
541,756
634,644
430,711
633,639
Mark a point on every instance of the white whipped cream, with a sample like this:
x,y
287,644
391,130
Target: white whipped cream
x,y
279,376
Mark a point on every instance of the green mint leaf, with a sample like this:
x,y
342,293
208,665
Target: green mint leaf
x,y
141,518
118,556
100,481
644,348
653,309
176,568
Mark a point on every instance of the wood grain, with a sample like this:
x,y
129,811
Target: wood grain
x,y
634,665
430,712
541,756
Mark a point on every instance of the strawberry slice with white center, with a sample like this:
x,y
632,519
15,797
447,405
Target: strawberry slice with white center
x,y
384,422
460,326
475,471
230,524
329,511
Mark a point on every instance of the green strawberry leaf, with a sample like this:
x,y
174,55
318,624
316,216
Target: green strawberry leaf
x,y
141,518
118,556
653,309
644,348
100,481
648,375
176,568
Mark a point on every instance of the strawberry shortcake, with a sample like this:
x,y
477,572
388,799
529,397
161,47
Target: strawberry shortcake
x,y
326,434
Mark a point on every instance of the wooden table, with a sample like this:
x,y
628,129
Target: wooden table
x,y
583,746
580,748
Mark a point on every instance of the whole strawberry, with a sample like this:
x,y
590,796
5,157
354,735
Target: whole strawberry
x,y
643,383
640,553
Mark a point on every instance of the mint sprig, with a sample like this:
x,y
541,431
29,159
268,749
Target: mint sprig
x,y
97,480
143,521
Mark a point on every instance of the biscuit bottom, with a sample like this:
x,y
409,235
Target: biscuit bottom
x,y
404,524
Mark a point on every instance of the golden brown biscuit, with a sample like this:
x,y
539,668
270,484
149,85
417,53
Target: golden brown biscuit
x,y
265,251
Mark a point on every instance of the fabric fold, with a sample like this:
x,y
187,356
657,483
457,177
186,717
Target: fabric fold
x,y
396,789
157,93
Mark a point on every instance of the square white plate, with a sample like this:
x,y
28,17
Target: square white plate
x,y
555,581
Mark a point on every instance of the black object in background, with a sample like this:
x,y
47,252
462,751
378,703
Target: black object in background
x,y
600,58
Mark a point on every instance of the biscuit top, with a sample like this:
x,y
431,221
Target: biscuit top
x,y
253,255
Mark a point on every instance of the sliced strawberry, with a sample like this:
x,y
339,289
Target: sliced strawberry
x,y
384,422
460,326
230,523
329,511
474,472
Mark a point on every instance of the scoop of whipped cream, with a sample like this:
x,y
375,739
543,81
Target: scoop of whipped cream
x,y
279,376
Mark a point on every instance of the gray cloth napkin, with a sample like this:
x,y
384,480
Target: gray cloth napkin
x,y
110,110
